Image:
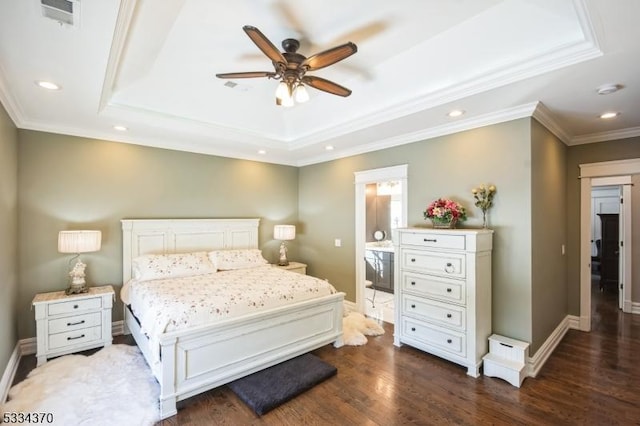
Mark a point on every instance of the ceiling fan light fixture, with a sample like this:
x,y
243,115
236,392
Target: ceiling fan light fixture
x,y
300,94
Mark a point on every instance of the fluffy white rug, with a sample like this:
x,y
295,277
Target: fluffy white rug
x,y
114,386
356,326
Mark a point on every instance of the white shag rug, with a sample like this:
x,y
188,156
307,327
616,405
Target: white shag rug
x,y
114,386
355,328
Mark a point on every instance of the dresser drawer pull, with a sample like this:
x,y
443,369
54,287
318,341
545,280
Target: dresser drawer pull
x,y
429,240
75,306
413,329
413,283
75,323
413,259
77,337
448,315
449,268
448,340
413,306
449,290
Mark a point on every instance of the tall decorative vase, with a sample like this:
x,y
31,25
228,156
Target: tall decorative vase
x,y
485,219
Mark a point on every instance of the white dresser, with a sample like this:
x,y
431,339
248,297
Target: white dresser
x,y
443,293
67,324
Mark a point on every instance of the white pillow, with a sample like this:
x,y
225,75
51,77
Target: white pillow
x,y
226,260
159,266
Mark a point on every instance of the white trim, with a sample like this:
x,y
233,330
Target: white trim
x,y
400,173
10,373
630,132
635,307
611,168
537,361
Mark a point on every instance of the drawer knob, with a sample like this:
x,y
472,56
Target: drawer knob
x,y
413,283
449,290
77,337
413,306
75,323
413,259
448,315
449,268
448,340
429,240
413,329
75,306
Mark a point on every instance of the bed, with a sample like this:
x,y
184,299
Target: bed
x,y
189,361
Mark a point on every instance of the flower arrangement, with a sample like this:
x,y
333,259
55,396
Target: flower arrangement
x,y
484,200
445,213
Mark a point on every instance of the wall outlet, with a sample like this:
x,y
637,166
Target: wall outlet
x,y
337,242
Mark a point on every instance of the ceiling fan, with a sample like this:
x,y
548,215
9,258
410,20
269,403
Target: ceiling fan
x,y
291,68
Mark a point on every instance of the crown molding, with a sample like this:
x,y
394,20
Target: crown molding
x,y
630,132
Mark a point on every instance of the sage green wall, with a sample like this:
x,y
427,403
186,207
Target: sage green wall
x,y
448,166
548,225
9,239
67,182
623,149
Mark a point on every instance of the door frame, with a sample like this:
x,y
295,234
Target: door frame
x,y
598,174
362,178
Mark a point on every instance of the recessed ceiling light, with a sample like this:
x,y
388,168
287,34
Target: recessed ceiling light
x,y
120,128
262,152
608,115
455,113
608,88
48,85
329,147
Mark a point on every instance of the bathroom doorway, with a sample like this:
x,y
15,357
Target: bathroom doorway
x,y
381,206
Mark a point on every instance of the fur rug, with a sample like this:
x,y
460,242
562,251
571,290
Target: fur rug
x,y
356,326
114,386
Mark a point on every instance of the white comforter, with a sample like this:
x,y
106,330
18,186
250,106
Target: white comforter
x,y
180,303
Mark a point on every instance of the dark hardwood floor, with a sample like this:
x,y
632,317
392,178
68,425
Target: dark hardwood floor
x,y
590,379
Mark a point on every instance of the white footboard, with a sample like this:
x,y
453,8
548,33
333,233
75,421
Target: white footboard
x,y
203,358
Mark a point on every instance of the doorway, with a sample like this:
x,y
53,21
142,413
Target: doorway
x,y
382,208
615,173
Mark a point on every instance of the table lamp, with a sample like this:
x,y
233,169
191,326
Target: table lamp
x,y
284,233
78,242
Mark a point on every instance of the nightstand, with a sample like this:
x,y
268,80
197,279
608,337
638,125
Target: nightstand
x,y
298,267
67,324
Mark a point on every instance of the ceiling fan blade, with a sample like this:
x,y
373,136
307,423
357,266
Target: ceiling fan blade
x,y
329,57
252,74
326,85
264,44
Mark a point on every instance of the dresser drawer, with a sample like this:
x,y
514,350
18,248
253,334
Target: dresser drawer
x,y
74,338
434,336
435,240
439,263
73,306
75,322
449,290
435,312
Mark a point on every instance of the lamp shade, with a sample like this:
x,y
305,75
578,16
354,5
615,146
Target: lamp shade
x,y
284,232
79,241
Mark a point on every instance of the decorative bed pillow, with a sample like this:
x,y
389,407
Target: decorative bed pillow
x,y
159,266
226,260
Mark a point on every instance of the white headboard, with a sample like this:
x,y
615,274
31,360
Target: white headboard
x,y
163,236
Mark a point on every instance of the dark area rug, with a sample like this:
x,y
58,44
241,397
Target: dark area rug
x,y
267,389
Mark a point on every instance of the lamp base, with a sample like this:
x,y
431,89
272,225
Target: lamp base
x,y
283,255
77,289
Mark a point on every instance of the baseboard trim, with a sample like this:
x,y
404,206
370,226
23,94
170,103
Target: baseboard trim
x,y
349,307
537,361
10,372
28,347
635,308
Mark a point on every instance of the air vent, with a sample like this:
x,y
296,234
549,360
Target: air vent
x,y
63,11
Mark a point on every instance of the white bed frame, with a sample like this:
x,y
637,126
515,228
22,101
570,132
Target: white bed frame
x,y
205,357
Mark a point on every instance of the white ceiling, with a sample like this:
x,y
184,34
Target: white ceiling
x,y
151,65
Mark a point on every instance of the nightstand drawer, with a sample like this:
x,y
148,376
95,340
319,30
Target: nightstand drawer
x,y
74,338
73,306
75,322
